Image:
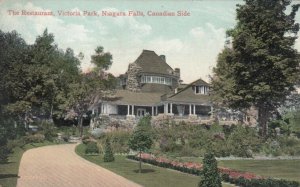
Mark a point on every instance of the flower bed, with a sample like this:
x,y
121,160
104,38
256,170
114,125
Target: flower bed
x,y
244,179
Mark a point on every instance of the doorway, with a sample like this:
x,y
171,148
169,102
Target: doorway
x,y
141,112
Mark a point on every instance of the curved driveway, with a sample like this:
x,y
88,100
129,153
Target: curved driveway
x,y
60,166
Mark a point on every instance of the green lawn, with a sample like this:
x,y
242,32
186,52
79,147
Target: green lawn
x,y
284,169
9,170
151,176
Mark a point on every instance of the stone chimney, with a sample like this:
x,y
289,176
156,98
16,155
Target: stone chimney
x,y
177,72
163,57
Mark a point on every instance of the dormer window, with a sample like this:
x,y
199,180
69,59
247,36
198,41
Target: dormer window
x,y
204,90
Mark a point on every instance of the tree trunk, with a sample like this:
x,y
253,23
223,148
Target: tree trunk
x,y
81,126
263,117
140,164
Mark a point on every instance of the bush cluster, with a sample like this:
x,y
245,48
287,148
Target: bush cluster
x,y
34,138
91,148
195,140
259,182
192,171
118,140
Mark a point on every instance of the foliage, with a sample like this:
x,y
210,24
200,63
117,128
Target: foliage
x,y
260,182
119,140
101,59
48,129
34,138
210,175
90,87
166,164
91,148
262,50
243,141
108,154
141,139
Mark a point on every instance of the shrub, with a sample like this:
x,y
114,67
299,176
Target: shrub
x,y
35,138
108,154
85,140
92,148
243,141
210,175
48,130
97,132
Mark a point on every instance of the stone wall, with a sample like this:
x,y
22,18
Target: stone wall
x,y
133,79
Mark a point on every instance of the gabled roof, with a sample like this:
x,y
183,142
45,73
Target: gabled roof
x,y
187,94
158,88
150,62
125,97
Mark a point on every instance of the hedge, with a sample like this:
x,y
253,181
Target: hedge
x,y
241,181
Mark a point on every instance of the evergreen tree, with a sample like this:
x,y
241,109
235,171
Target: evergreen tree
x,y
260,67
210,176
108,154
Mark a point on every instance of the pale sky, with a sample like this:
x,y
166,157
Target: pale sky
x,y
190,43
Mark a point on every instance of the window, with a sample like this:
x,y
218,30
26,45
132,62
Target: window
x,y
201,90
156,79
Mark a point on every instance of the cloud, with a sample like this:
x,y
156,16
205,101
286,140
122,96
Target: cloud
x,y
75,36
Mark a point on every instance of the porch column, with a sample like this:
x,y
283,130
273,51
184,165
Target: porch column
x,y
211,112
152,114
194,109
93,111
171,108
166,108
156,110
103,109
190,112
128,110
133,110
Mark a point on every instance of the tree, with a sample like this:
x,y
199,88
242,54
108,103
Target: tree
x,y
101,59
261,67
141,139
210,176
89,87
108,154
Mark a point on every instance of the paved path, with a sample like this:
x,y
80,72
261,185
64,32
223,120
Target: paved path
x,y
60,166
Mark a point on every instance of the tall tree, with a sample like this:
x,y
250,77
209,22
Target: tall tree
x,y
101,59
90,87
260,68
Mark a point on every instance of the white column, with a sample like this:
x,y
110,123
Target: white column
x,y
133,110
152,111
211,111
93,111
194,109
171,106
190,109
128,110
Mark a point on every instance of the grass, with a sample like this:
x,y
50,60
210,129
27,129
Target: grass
x,y
283,169
150,176
9,170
